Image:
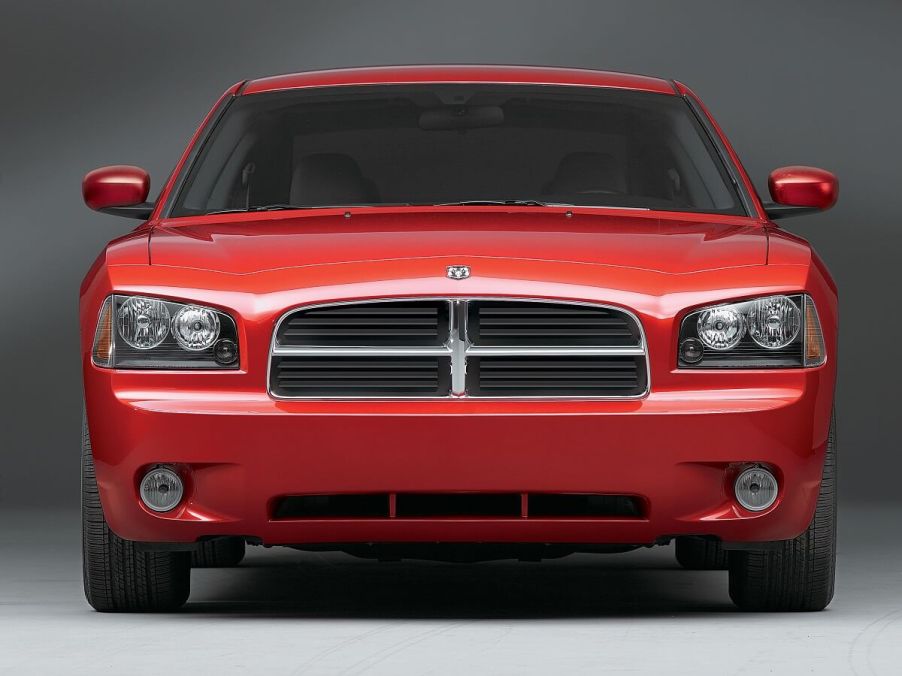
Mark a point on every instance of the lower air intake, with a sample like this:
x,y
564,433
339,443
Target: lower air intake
x,y
449,505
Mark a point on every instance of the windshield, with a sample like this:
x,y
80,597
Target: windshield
x,y
430,144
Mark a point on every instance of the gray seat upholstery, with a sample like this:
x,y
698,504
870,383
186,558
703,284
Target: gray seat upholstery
x,y
330,178
587,172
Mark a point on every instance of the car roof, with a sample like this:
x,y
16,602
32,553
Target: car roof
x,y
460,74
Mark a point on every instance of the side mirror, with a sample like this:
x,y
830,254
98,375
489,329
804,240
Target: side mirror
x,y
120,190
800,190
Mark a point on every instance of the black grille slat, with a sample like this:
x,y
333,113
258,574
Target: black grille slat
x,y
522,323
561,363
520,337
557,376
302,376
357,382
393,323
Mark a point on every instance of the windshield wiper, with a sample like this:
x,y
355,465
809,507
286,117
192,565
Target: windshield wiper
x,y
533,203
265,207
503,203
462,203
287,207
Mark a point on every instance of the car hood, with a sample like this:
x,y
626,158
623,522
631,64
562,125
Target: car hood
x,y
245,243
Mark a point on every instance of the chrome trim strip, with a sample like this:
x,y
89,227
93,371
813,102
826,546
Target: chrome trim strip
x,y
459,345
458,348
558,351
362,351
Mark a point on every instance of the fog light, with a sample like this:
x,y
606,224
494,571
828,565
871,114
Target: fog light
x,y
756,489
225,352
692,350
161,489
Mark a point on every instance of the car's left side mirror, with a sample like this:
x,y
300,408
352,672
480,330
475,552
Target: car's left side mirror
x,y
119,190
800,190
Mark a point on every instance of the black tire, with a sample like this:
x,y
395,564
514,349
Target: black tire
x,y
218,553
798,575
700,554
118,577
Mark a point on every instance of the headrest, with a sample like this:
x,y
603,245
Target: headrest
x,y
330,178
587,172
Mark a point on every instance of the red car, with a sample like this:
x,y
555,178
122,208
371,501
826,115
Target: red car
x,y
459,313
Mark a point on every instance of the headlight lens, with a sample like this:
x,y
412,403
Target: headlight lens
x,y
143,323
139,332
195,328
721,328
759,333
774,321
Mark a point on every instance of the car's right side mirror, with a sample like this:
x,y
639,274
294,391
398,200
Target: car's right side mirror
x,y
119,190
800,190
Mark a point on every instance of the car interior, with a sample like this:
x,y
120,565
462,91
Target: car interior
x,y
621,149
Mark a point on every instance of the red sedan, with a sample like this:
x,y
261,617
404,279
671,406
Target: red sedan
x,y
459,313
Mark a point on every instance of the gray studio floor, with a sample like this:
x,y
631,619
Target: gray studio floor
x,y
284,612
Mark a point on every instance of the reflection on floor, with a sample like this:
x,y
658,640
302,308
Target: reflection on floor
x,y
284,611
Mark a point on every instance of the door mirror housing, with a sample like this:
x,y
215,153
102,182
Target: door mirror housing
x,y
800,190
120,190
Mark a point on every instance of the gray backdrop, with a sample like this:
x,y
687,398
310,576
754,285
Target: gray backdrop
x,y
92,83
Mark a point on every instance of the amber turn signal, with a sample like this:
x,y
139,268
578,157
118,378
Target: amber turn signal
x,y
815,352
103,338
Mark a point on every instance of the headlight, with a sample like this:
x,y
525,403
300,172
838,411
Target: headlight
x,y
138,332
721,328
758,333
143,323
774,321
195,328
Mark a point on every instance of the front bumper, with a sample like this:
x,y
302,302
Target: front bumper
x,y
242,450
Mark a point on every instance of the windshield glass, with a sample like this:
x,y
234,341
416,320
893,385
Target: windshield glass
x,y
430,144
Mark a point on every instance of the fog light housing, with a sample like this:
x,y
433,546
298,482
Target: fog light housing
x,y
692,350
161,489
225,352
756,489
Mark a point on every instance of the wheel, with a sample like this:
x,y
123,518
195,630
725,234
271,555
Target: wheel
x,y
118,577
700,554
797,575
218,553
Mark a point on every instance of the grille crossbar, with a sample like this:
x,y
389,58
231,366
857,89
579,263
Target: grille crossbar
x,y
506,348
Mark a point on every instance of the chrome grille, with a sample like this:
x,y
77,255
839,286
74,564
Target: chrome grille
x,y
479,347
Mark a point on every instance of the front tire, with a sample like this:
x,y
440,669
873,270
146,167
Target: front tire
x,y
798,575
118,577
218,553
700,554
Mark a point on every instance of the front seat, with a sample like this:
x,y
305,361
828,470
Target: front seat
x,y
323,179
586,173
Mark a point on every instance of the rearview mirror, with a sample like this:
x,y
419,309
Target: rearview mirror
x,y
120,190
800,190
461,117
